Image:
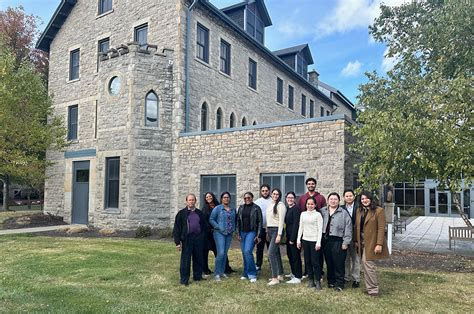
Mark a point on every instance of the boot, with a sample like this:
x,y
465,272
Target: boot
x,y
311,283
318,285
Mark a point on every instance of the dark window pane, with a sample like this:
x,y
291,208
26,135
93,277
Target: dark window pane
x,y
105,6
279,90
291,99
141,35
311,108
232,120
74,65
399,197
322,112
420,198
409,197
432,197
82,175
202,42
225,57
219,119
72,122
204,117
252,74
303,105
112,181
299,185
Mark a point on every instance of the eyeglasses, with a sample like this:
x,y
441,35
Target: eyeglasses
x,y
247,198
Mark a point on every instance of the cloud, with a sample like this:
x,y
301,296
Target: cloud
x,y
352,69
351,14
388,62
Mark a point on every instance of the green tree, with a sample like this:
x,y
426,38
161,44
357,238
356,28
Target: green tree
x,y
417,120
25,131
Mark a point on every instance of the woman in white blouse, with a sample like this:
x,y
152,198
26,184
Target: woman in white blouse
x,y
309,236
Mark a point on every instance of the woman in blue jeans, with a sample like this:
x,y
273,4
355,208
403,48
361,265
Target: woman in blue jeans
x,y
249,224
222,220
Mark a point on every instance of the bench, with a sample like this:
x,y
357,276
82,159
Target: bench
x,y
461,234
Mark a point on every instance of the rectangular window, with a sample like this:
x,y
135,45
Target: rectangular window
x,y
72,122
252,74
74,64
218,185
301,66
225,57
202,42
251,23
112,182
255,26
259,31
105,6
311,108
103,47
303,105
279,90
328,113
286,182
322,111
291,97
141,35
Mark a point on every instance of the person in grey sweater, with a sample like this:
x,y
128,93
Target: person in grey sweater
x,y
338,235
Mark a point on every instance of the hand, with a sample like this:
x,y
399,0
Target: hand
x,y
298,245
317,247
268,237
257,240
291,242
344,247
178,247
378,249
238,236
277,240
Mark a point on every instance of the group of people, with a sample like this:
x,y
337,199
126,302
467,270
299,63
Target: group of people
x,y
344,236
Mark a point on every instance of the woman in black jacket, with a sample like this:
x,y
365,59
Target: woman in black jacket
x,y
292,221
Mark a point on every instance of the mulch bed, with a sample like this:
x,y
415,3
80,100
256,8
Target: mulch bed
x,y
31,221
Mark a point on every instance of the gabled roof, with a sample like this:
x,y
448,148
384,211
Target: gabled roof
x,y
337,92
59,16
262,9
304,49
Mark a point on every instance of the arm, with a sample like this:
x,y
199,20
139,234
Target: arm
x,y
319,221
296,221
213,218
281,218
260,221
300,232
380,216
347,229
177,229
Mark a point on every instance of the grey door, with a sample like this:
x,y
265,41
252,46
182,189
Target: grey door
x,y
80,192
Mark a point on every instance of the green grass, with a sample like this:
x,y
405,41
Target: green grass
x,y
42,274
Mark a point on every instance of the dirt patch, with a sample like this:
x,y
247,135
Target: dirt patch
x,y
106,233
429,261
31,221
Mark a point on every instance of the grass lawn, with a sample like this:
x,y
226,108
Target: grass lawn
x,y
43,274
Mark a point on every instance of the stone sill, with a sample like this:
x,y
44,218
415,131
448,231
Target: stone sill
x,y
203,62
112,210
253,90
225,75
73,81
104,14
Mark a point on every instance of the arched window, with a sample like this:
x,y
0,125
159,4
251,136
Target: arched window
x,y
232,120
244,121
151,109
204,117
219,119
254,122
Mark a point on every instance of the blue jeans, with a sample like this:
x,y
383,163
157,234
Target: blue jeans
x,y
222,246
246,245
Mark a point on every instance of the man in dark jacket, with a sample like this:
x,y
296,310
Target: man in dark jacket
x,y
188,233
352,271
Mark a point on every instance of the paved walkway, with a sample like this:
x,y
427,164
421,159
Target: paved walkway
x,y
30,230
430,234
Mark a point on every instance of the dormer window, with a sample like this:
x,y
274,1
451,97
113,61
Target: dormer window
x,y
254,26
301,66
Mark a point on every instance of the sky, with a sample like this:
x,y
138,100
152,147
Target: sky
x,y
336,31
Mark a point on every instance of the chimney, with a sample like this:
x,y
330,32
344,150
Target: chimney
x,y
313,77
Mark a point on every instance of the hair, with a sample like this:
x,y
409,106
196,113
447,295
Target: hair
x,y
224,193
191,194
348,190
314,201
264,186
310,179
214,198
334,193
248,193
292,193
275,207
367,194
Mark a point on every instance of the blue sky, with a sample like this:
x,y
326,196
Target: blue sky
x,y
336,31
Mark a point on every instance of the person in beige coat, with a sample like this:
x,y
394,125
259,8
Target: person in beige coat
x,y
369,239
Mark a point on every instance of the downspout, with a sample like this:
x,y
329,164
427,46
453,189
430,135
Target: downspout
x,y
186,65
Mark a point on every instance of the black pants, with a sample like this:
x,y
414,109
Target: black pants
x,y
261,247
294,257
210,245
191,249
335,261
312,260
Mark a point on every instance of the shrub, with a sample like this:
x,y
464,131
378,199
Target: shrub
x,y
143,232
415,211
165,233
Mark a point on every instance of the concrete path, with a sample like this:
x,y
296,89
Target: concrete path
x,y
430,234
30,230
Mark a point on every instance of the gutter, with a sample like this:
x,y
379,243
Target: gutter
x,y
186,66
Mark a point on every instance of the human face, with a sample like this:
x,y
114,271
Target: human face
x,y
191,201
333,201
290,200
248,199
349,198
365,201
264,192
311,186
226,199
310,205
275,196
208,198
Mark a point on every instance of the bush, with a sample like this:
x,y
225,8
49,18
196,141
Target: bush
x,y
165,233
143,232
415,211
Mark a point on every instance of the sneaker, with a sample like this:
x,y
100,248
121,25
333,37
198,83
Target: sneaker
x,y
318,285
355,284
305,276
338,289
290,275
253,280
243,278
258,268
281,278
311,284
224,276
217,278
294,280
273,282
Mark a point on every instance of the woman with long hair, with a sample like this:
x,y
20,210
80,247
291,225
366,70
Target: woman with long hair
x,y
276,211
223,221
338,236
309,237
292,221
369,239
210,201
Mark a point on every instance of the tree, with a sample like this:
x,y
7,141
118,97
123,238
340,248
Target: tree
x,y
19,32
25,132
417,120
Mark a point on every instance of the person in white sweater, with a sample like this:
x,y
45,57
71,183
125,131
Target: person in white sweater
x,y
276,212
309,237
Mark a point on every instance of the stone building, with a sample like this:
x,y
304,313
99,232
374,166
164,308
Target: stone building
x,y
162,98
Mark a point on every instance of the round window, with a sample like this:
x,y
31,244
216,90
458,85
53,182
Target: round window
x,y
114,86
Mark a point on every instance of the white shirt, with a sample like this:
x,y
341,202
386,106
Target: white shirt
x,y
263,204
349,209
311,227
